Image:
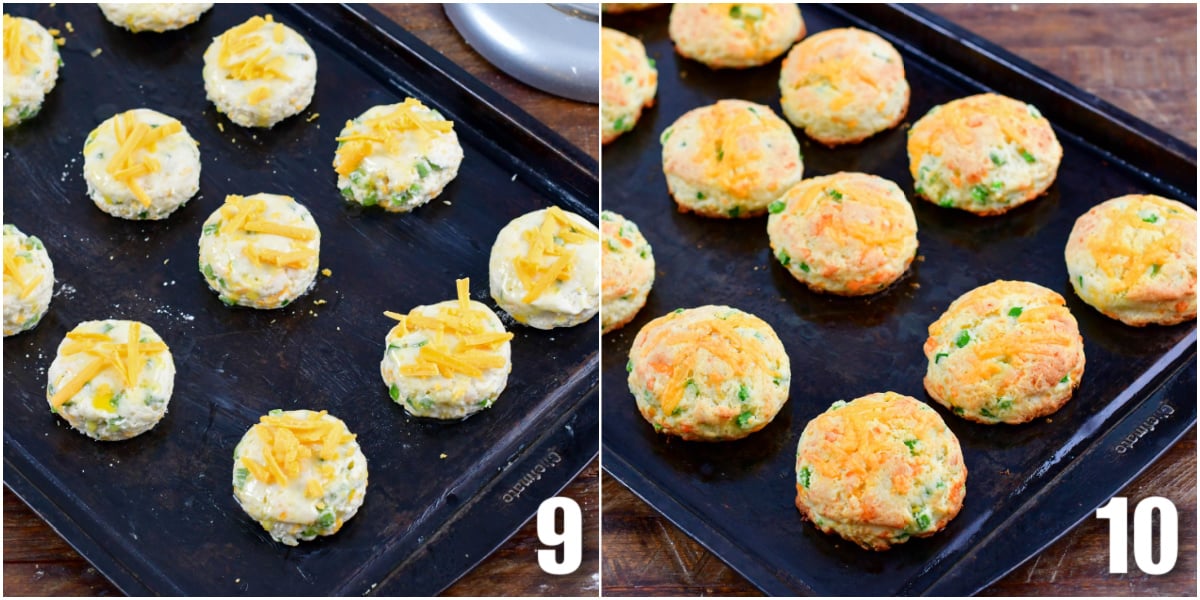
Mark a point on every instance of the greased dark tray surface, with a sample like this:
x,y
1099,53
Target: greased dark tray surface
x,y
1027,484
156,513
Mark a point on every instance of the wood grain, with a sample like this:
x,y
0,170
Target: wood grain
x,y
37,562
1141,58
578,122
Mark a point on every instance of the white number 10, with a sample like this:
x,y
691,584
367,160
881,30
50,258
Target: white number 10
x,y
1116,512
570,537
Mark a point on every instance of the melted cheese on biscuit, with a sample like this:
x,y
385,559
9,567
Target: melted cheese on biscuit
x,y
612,57
1143,218
823,198
717,337
726,161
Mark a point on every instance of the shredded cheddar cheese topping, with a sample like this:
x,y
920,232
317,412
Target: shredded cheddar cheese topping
x,y
458,341
136,142
241,216
259,94
1037,332
1113,248
716,337
13,263
127,359
978,332
249,52
550,255
290,442
388,130
19,51
833,65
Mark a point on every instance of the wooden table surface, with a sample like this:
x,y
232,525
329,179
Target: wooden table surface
x,y
37,562
1143,60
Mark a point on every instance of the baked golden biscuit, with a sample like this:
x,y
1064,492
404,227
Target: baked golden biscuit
x,y
734,35
879,470
842,86
626,271
710,373
1133,258
984,154
628,82
730,159
1005,352
848,233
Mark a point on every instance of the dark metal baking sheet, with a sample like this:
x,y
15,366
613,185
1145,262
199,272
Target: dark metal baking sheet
x,y
156,514
1027,485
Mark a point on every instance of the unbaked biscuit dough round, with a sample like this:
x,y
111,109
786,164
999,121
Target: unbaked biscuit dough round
x,y
734,35
28,281
842,86
627,268
1005,352
31,63
984,154
879,470
111,379
848,233
1133,258
156,17
709,373
260,251
544,269
628,82
397,156
300,474
447,360
260,72
730,159
141,164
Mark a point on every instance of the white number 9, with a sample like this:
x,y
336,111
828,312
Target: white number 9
x,y
570,537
